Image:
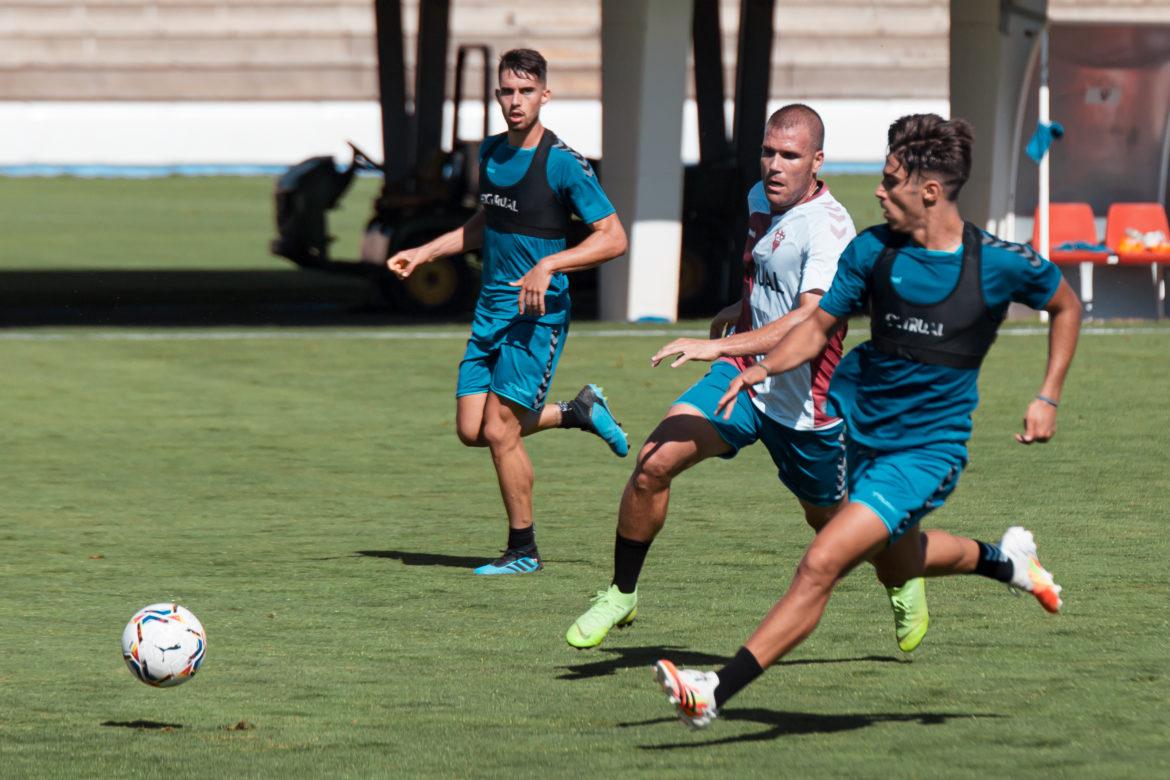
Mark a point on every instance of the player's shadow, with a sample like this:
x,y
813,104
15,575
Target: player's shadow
x,y
638,657
787,724
438,559
634,657
427,559
143,724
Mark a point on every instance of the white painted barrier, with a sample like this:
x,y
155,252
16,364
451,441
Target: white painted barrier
x,y
281,133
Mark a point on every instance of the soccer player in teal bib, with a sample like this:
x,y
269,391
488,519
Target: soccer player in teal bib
x,y
936,289
531,184
796,233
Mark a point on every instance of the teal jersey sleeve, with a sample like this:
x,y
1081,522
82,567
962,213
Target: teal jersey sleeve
x,y
573,180
848,293
1014,273
1011,273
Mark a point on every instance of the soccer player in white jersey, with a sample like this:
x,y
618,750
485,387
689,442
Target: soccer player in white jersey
x,y
796,234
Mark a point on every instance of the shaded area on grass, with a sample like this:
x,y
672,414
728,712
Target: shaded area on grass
x,y
427,559
161,297
153,725
440,559
782,724
633,657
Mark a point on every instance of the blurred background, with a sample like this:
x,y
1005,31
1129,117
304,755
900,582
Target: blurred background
x,y
146,144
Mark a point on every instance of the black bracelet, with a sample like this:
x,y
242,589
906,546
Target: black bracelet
x,y
1047,400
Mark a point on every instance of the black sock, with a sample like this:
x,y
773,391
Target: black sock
x,y
628,557
520,538
742,670
569,416
993,563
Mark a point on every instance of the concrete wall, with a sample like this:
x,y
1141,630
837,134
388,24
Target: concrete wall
x,y
324,49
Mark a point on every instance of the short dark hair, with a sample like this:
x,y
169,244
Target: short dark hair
x,y
927,143
799,115
524,62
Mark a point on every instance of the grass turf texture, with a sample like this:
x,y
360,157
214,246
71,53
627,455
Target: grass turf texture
x,y
200,223
307,498
175,223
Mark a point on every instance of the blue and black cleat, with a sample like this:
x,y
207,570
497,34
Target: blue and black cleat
x,y
593,410
524,560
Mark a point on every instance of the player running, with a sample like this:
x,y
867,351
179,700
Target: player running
x,y
937,289
796,234
531,184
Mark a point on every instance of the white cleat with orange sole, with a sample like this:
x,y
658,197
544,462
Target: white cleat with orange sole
x,y
1028,575
690,691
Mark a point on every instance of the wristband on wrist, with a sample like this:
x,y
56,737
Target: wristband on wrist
x,y
1047,400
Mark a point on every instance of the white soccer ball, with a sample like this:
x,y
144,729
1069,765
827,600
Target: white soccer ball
x,y
164,645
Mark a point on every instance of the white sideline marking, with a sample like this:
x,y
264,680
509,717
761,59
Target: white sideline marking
x,y
299,334
1120,331
310,334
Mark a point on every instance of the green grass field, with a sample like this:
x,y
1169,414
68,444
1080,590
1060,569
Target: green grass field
x,y
202,223
174,223
303,492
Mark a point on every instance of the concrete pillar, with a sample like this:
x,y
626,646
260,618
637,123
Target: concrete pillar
x,y
643,81
990,45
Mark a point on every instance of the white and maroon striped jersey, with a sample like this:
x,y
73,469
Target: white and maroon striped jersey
x,y
785,255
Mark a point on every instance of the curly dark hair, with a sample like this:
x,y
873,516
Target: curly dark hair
x,y
524,62
927,143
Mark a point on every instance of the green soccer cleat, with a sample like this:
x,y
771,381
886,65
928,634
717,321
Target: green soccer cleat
x,y
910,616
610,608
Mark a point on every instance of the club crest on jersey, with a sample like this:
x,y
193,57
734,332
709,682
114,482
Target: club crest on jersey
x,y
777,237
492,199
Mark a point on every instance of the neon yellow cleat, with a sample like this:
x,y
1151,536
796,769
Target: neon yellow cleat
x,y
911,618
610,608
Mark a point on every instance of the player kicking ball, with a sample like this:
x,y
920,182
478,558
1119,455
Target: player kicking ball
x,y
531,184
937,289
796,234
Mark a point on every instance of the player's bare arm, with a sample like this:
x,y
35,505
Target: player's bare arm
x,y
606,240
1064,326
801,344
462,239
752,342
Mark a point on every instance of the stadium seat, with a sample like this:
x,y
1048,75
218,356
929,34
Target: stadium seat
x,y
1138,266
1071,225
1144,218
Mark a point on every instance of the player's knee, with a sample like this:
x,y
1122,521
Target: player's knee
x,y
653,473
819,568
469,429
470,436
500,433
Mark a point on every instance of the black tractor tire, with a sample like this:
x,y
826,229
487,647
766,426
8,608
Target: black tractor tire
x,y
444,287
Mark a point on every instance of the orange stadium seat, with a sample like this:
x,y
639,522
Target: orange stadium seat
x,y
1070,223
1145,218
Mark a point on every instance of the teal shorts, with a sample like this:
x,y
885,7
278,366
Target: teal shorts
x,y
810,463
904,486
515,359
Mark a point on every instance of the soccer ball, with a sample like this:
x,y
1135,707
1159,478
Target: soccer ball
x,y
164,645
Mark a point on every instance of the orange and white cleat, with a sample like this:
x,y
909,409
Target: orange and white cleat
x,y
1028,575
690,691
